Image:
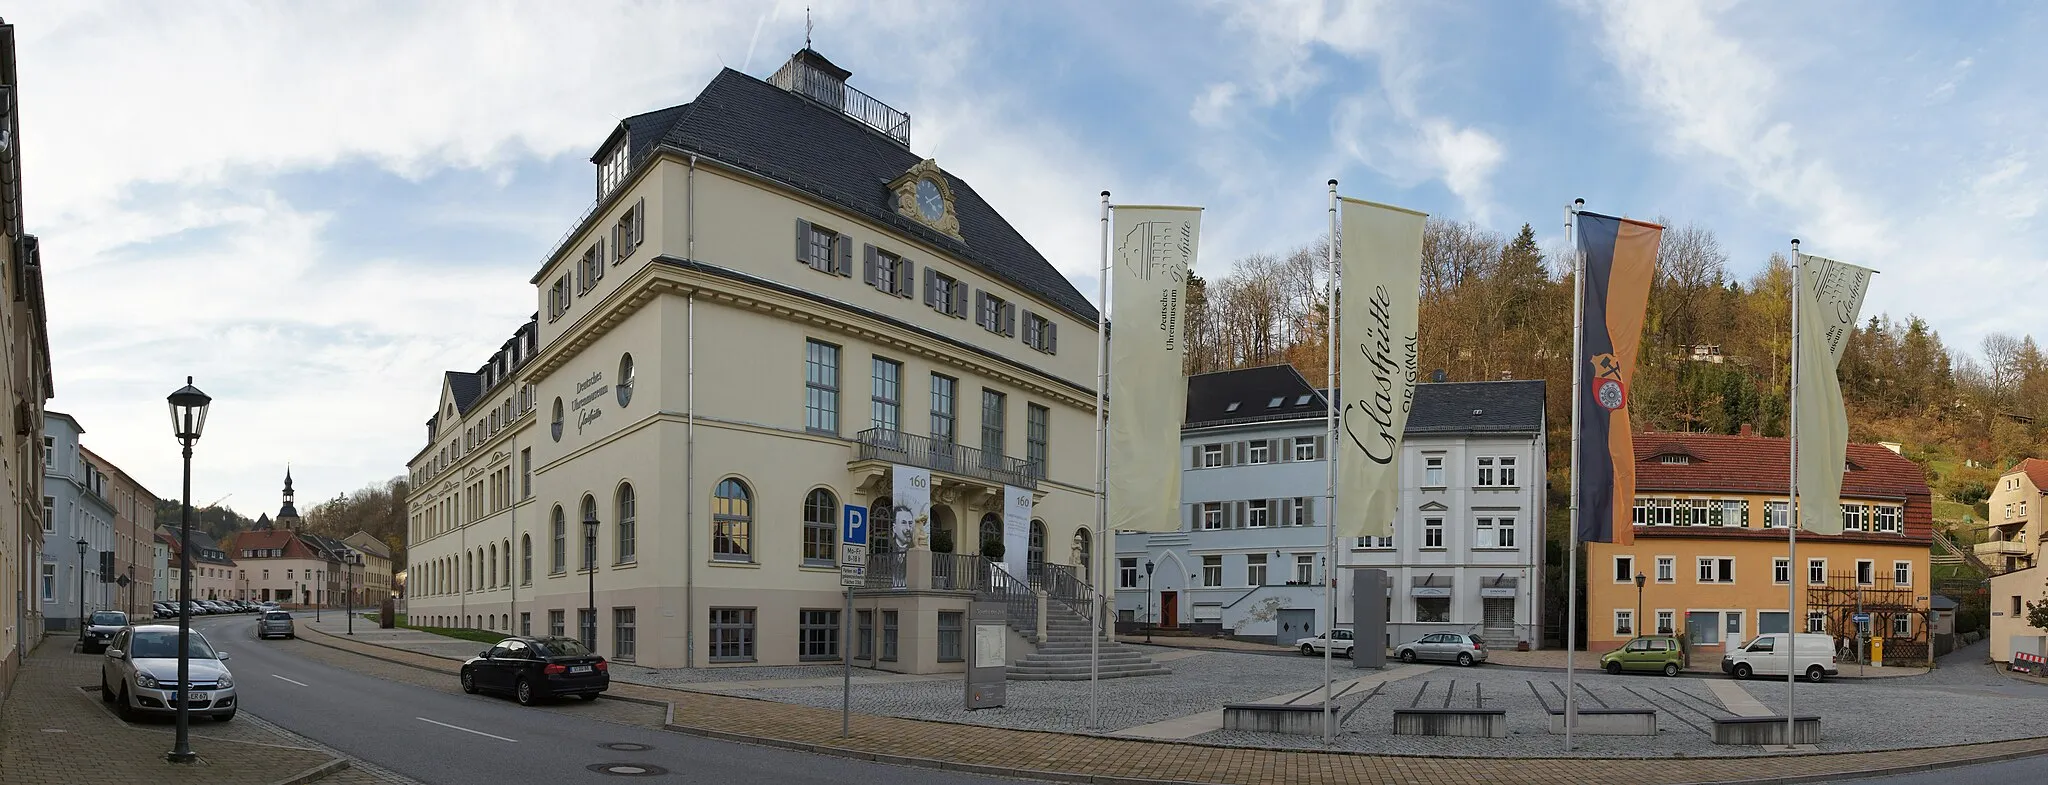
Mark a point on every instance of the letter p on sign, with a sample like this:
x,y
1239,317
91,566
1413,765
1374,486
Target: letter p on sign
x,y
854,525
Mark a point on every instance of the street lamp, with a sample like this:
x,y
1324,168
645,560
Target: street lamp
x,y
590,564
82,545
350,563
1148,600
188,418
1640,580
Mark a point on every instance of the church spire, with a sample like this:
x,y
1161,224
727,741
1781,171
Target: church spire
x,y
288,515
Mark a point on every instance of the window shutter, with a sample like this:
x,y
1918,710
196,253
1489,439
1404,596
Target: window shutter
x,y
803,241
1051,337
1030,330
1244,453
845,246
1243,512
867,265
931,287
1195,457
1009,319
639,221
1322,447
1194,517
1308,513
1286,508
1275,453
980,313
618,244
959,301
906,278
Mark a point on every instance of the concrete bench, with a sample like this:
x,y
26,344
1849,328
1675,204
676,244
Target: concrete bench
x,y
1476,723
1765,730
1304,719
1608,722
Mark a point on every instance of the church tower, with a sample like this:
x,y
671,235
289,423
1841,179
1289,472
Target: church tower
x,y
288,515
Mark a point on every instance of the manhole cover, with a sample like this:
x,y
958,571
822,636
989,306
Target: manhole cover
x,y
626,746
627,769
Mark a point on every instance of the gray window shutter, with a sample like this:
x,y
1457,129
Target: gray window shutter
x,y
1322,447
1195,456
906,278
1194,517
980,313
639,222
1285,508
1009,320
959,300
1243,511
1051,337
803,241
845,246
931,287
1244,453
1308,512
1030,330
867,265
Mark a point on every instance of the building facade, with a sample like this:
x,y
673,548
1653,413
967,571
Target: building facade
x,y
2013,548
715,472
162,589
1467,553
281,562
214,576
1709,520
26,384
78,528
375,585
134,536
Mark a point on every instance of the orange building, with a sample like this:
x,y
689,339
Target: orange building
x,y
1710,546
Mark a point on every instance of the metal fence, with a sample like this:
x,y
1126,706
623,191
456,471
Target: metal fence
x,y
910,449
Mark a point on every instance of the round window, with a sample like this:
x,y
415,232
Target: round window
x,y
556,427
625,385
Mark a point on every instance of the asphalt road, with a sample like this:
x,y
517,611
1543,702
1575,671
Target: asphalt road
x,y
454,739
2033,769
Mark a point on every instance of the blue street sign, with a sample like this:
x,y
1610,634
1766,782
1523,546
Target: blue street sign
x,y
1860,618
854,526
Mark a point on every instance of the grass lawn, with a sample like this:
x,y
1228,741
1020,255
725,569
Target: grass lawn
x,y
480,636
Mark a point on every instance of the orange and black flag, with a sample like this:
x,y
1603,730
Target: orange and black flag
x,y
1620,261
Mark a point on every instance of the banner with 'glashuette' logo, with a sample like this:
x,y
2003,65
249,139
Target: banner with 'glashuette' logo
x,y
1376,355
1153,253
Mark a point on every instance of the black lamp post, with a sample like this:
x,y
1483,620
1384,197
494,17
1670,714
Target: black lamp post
x,y
82,545
188,418
1148,600
590,564
1640,580
349,562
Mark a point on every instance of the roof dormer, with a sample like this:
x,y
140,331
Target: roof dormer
x,y
613,160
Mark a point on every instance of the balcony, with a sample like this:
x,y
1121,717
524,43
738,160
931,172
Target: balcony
x,y
1997,548
876,444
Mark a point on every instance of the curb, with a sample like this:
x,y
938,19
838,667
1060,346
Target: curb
x,y
920,763
316,773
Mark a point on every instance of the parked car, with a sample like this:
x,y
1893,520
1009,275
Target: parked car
x,y
140,674
1650,653
99,630
1813,656
275,623
534,669
1339,643
164,610
1443,646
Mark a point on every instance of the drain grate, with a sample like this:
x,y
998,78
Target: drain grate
x,y
626,746
627,769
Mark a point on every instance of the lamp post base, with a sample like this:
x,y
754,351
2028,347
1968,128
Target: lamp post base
x,y
187,756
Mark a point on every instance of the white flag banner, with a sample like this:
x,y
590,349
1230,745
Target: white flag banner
x,y
1016,530
911,522
1833,299
1381,255
1155,251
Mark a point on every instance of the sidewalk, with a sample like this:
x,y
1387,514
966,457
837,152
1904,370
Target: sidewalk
x,y
1101,759
52,732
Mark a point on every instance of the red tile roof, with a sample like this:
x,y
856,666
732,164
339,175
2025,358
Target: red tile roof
x,y
260,539
2036,469
1761,465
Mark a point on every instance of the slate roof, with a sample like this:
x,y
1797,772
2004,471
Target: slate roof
x,y
1478,407
467,388
752,125
1440,407
1211,397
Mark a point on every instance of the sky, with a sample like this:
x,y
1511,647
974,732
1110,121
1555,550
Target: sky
x,y
316,209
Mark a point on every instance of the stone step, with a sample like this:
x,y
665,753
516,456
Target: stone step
x,y
1156,671
1082,659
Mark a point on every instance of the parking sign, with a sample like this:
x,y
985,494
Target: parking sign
x,y
854,526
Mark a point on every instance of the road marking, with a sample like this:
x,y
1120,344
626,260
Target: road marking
x,y
300,683
465,730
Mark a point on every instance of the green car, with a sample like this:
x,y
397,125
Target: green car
x,y
1648,653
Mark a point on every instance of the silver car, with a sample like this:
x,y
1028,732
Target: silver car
x,y
1443,647
275,623
99,630
140,674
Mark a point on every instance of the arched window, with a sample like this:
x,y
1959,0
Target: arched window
x,y
526,560
560,531
1034,557
732,522
821,517
493,583
589,532
508,562
1084,556
991,531
468,571
628,515
881,523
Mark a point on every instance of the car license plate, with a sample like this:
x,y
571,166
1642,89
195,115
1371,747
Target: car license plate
x,y
579,669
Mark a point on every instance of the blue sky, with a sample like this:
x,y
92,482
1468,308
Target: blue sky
x,y
317,209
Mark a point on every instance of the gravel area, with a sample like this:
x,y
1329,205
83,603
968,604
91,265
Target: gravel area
x,y
672,677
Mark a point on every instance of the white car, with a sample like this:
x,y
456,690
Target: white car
x,y
140,674
1339,643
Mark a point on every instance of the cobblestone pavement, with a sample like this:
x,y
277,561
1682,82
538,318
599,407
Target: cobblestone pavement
x,y
992,750
55,731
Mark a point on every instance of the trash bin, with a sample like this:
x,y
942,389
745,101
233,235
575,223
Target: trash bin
x,y
386,614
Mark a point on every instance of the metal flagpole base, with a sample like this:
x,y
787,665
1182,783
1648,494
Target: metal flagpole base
x,y
187,756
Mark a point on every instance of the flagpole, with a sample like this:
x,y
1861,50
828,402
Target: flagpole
x,y
1571,618
1101,474
1792,514
1330,491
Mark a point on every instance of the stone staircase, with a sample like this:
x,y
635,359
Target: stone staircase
x,y
1063,655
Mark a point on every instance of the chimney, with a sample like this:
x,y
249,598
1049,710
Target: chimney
x,y
1748,430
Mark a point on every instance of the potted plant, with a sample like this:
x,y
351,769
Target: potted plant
x,y
992,550
942,541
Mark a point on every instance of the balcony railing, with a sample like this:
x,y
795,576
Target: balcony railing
x,y
876,444
2001,548
959,572
799,77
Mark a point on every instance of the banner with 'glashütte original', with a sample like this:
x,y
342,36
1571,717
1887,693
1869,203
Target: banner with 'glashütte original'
x,y
1153,253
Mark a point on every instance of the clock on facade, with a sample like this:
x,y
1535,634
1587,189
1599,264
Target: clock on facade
x,y
931,203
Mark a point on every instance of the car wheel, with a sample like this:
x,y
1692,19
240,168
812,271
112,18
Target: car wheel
x,y
1742,670
524,692
589,696
1307,650
121,706
1464,659
224,716
1671,669
106,695
1614,669
1815,674
469,681
1407,655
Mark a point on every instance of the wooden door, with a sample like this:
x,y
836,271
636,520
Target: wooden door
x,y
1169,609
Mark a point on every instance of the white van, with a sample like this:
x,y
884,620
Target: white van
x,y
1813,655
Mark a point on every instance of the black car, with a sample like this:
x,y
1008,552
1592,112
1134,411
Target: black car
x,y
534,669
99,630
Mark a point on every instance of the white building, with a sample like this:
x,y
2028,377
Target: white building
x,y
1249,561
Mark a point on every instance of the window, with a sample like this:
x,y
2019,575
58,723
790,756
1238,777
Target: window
x,y
1432,532
991,313
628,510
526,623
1781,570
732,525
1624,622
624,388
49,452
1865,572
1816,571
821,517
1852,517
866,636
732,634
1495,533
1255,569
623,634
818,635
1127,573
630,230
1902,573
945,293
1304,568
1380,543
823,249
589,536
1432,609
2016,609
590,268
526,560
1302,512
1304,448
951,625
888,636
1716,570
1257,513
559,298
888,272
885,407
1212,515
1624,569
1902,626
1034,549
1667,569
1485,472
1891,518
1212,571
994,413
49,514
945,415
1816,621
1665,620
1260,452
1507,471
1037,438
555,623
1674,460
1433,472
1041,333
821,387
611,172
526,473
1212,456
49,582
